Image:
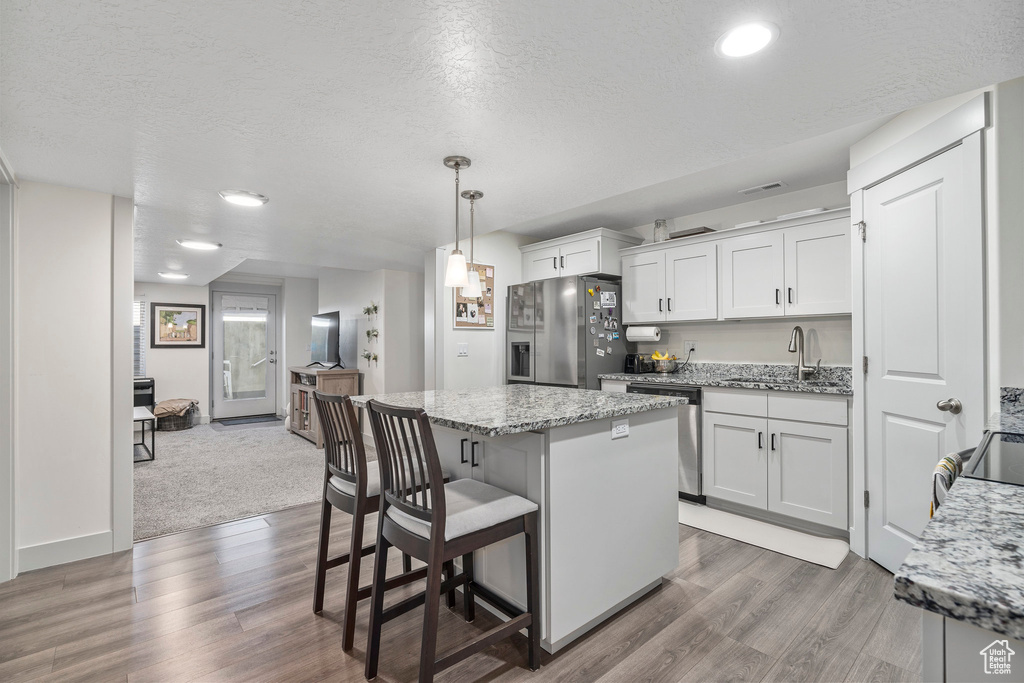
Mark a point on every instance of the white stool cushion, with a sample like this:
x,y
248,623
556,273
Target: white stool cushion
x,y
470,506
372,481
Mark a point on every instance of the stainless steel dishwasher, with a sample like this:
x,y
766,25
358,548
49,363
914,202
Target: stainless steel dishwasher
x,y
690,463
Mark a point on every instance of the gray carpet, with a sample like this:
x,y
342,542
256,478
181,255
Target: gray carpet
x,y
203,476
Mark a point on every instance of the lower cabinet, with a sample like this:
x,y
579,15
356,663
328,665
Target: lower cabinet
x,y
789,467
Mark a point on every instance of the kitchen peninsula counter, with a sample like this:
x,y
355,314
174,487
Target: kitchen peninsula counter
x,y
609,516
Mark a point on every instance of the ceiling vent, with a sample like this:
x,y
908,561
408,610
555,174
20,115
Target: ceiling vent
x,y
763,188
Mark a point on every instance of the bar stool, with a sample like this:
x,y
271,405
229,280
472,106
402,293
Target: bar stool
x,y
351,484
435,524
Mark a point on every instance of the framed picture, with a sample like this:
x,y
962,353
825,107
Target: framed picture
x,y
177,326
476,314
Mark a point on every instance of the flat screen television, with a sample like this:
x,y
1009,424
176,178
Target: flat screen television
x,y
323,344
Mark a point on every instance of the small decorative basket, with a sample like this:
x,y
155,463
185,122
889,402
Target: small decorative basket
x,y
176,423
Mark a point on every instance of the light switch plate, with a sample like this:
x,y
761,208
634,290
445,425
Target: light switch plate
x,y
463,349
620,429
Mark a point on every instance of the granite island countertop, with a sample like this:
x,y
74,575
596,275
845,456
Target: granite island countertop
x,y
969,562
516,408
837,380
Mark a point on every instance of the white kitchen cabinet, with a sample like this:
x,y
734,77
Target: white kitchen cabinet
x,y
453,451
818,268
735,466
691,282
807,472
753,275
594,252
770,451
643,287
541,264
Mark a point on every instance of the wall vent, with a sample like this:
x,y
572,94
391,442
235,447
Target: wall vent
x,y
763,188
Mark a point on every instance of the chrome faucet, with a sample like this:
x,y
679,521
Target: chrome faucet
x,y
796,345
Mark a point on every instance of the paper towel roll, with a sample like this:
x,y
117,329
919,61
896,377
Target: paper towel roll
x,y
643,334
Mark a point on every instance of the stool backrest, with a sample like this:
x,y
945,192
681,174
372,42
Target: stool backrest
x,y
343,444
410,471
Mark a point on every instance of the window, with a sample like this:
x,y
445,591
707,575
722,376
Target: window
x,y
139,337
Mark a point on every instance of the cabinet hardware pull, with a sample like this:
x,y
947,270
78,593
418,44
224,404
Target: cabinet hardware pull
x,y
790,295
670,304
462,451
561,261
472,453
659,305
773,441
554,262
760,441
778,294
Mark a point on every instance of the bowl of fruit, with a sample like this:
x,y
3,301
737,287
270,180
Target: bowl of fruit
x,y
664,363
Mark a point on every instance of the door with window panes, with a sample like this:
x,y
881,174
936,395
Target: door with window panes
x,y
244,370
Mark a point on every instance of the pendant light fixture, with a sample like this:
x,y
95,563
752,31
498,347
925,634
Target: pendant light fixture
x,y
473,289
455,274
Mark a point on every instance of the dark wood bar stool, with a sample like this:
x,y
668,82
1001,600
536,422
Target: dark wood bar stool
x,y
351,484
436,523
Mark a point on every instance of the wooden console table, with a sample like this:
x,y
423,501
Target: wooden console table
x,y
304,381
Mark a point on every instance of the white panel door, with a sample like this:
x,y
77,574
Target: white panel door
x,y
691,282
818,268
923,326
578,258
807,472
643,287
753,275
541,264
735,466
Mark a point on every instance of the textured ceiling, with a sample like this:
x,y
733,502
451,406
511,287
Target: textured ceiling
x,y
342,111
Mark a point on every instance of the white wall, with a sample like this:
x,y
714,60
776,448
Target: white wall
x,y
178,373
348,291
298,306
759,341
402,333
8,214
485,365
71,416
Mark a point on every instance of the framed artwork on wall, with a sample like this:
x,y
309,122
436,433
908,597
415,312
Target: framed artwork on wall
x,y
476,314
177,326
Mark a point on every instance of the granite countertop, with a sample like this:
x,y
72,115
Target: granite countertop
x,y
833,379
969,562
515,408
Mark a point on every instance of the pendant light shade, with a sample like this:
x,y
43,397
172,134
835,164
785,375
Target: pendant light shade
x,y
473,290
455,274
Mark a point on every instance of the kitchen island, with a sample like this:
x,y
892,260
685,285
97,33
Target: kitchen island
x,y
608,500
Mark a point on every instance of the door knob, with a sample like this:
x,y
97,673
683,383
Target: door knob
x,y
951,405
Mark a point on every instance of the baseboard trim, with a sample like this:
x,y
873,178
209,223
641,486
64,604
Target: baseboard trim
x,y
64,551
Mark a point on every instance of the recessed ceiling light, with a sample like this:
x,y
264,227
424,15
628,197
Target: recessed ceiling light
x,y
244,197
174,276
747,39
200,245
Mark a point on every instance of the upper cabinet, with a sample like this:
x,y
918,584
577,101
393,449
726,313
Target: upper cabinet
x,y
586,253
676,284
794,267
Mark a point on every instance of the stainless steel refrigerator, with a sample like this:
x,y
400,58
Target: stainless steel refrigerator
x,y
565,332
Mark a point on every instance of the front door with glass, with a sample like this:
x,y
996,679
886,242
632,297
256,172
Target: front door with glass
x,y
244,370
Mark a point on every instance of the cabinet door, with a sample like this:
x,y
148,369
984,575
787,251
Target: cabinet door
x,y
541,264
453,451
691,282
504,462
579,258
818,268
753,275
807,472
735,448
643,287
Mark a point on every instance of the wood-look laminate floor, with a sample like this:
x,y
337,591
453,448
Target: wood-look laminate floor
x,y
233,602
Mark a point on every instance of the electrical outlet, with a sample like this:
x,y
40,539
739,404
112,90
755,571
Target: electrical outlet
x,y
620,429
463,349
689,346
